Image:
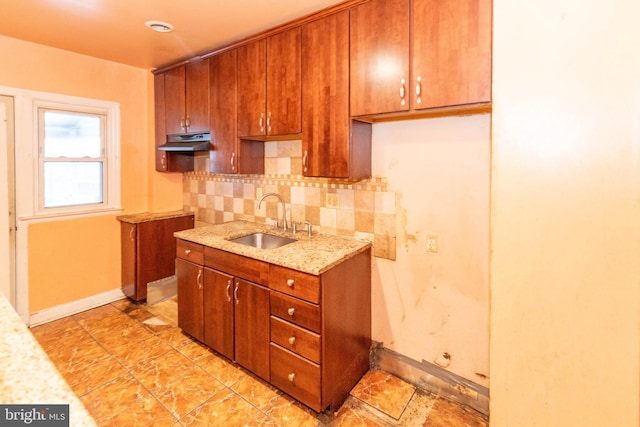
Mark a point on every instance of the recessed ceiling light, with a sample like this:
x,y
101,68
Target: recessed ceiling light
x,y
159,26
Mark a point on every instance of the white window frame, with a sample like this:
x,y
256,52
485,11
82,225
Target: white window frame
x,y
33,207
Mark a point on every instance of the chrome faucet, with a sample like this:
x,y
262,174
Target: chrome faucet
x,y
284,210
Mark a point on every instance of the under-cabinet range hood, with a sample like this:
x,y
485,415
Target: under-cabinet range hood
x,y
187,142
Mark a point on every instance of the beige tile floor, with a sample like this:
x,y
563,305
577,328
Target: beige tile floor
x,y
131,366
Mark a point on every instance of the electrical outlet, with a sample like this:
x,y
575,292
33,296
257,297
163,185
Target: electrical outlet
x,y
432,243
331,200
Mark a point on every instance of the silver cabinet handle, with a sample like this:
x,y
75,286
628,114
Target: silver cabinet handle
x,y
291,311
235,293
187,252
291,377
292,340
228,291
183,124
269,122
187,123
132,233
304,161
261,122
290,283
233,161
199,279
402,92
419,90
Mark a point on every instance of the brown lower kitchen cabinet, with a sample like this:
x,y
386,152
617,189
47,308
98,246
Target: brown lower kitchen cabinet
x,y
309,335
148,249
227,312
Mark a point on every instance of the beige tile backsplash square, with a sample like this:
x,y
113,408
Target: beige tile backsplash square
x,y
363,209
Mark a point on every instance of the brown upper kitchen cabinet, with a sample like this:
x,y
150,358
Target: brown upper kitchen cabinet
x,y
181,98
186,91
223,104
333,145
228,154
269,86
419,54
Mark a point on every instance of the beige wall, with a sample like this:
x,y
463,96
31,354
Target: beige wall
x,y
75,259
426,303
565,214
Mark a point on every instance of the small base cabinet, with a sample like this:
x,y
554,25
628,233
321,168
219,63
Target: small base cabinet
x,y
310,336
148,249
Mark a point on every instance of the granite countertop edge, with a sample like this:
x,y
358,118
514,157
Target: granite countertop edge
x,y
312,255
28,375
151,216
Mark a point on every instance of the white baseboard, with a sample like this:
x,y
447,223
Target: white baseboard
x,y
64,310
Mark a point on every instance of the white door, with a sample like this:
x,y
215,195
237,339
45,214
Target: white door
x,y
7,200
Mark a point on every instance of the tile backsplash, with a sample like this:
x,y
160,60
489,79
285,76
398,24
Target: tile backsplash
x,y
364,209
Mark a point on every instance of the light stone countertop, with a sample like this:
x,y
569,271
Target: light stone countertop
x,y
151,216
27,375
313,255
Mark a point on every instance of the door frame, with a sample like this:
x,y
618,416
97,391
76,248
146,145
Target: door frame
x,y
21,132
7,200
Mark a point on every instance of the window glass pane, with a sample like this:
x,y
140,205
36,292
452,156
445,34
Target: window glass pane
x,y
72,183
68,134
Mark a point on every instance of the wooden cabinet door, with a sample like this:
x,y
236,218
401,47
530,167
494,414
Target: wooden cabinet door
x,y
451,52
252,327
325,117
252,89
379,57
197,96
174,100
190,298
218,312
128,248
224,137
283,83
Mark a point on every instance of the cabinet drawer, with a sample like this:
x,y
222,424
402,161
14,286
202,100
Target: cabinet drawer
x,y
237,265
296,339
190,251
296,376
295,283
295,311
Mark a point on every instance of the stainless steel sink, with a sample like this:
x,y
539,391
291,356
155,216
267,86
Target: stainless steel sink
x,y
263,240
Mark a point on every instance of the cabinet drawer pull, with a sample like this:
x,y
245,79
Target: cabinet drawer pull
x,y
199,279
187,252
290,283
235,293
228,292
292,340
291,311
419,90
291,377
402,92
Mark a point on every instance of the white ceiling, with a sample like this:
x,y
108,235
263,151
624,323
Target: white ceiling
x,y
115,30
